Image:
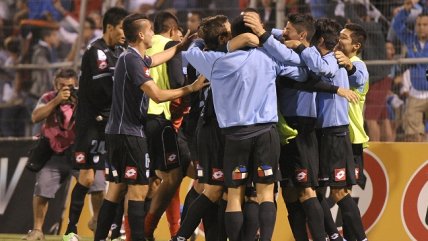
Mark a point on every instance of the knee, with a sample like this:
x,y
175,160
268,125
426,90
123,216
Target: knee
x,y
338,193
213,193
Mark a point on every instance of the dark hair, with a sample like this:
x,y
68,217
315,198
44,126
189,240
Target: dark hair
x,y
45,32
303,22
358,34
131,27
113,16
238,24
211,28
164,21
65,74
327,29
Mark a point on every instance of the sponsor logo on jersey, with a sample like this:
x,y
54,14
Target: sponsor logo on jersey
x,y
131,172
80,157
217,174
302,175
339,174
146,71
101,60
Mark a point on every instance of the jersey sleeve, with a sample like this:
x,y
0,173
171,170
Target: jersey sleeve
x,y
138,69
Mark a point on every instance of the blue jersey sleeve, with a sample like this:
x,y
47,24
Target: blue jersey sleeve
x,y
405,35
277,33
318,64
281,53
138,69
202,61
360,77
296,73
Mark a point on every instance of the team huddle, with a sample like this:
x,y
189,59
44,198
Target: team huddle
x,y
237,108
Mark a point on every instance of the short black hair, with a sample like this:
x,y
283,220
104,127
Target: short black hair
x,y
131,27
359,35
303,22
91,22
238,24
211,28
66,73
327,29
164,21
113,16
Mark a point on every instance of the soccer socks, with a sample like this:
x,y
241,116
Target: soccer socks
x,y
77,200
190,197
117,221
136,219
173,214
196,211
267,218
347,233
233,222
297,220
211,223
251,220
105,219
352,217
315,218
222,204
329,224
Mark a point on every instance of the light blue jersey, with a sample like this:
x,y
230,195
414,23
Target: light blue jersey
x,y
243,84
332,110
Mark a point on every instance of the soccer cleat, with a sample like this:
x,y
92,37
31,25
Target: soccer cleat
x,y
70,237
34,234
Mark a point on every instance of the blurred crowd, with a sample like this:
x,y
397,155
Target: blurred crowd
x,y
42,32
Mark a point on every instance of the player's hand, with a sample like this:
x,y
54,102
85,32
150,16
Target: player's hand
x,y
343,60
292,44
63,94
187,40
199,83
348,94
252,20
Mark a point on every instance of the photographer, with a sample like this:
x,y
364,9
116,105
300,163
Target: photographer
x,y
57,109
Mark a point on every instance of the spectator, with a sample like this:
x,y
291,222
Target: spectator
x,y
44,53
13,113
417,102
88,36
56,109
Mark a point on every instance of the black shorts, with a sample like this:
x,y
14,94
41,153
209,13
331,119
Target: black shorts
x,y
209,167
357,150
299,160
337,166
128,160
162,143
90,148
254,159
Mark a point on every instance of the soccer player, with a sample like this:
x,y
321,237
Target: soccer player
x,y
216,32
351,42
93,108
167,163
337,166
128,162
247,117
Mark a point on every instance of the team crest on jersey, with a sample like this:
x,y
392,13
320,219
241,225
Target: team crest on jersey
x,y
101,59
302,175
131,173
264,171
240,173
199,169
217,174
146,71
339,174
80,157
